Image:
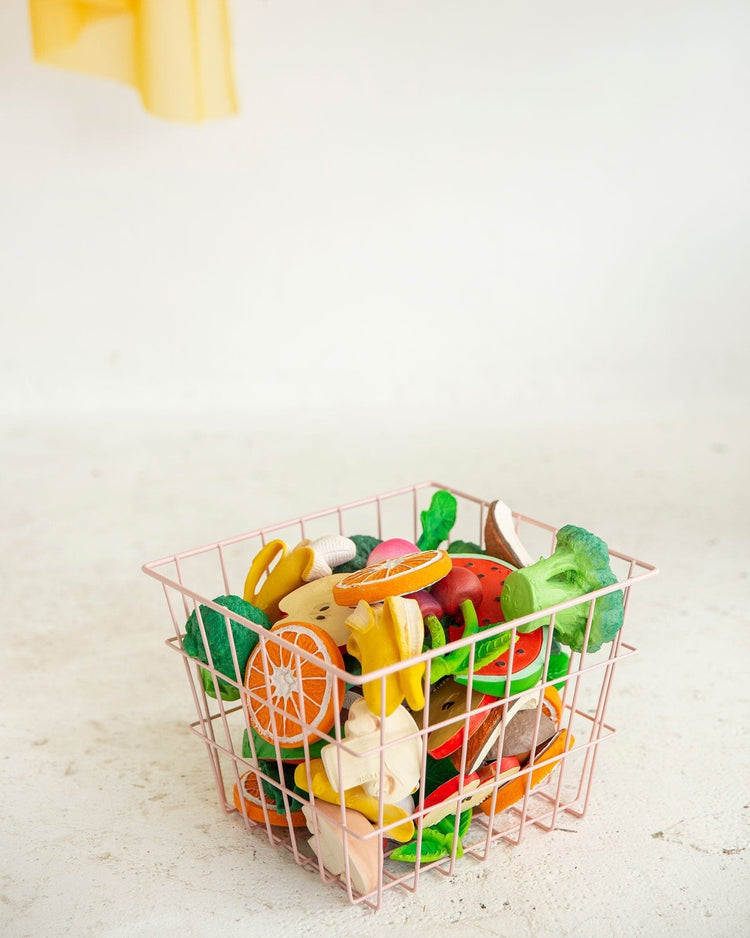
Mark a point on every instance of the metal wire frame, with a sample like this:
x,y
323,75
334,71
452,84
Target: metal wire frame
x,y
218,722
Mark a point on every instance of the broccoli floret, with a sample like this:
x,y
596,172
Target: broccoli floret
x,y
464,547
216,633
579,565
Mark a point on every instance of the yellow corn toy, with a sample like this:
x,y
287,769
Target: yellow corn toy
x,y
383,635
355,798
288,574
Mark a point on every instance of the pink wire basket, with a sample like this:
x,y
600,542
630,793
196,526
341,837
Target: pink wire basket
x,y
554,782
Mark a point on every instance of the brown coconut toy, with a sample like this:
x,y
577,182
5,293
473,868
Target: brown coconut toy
x,y
501,539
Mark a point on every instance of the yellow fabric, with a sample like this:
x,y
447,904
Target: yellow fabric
x,y
176,53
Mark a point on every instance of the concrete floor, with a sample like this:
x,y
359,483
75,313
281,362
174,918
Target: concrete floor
x,y
110,823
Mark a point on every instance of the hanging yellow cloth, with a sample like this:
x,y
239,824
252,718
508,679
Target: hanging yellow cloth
x,y
176,53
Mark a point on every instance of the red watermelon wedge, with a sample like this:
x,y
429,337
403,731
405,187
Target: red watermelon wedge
x,y
493,573
528,663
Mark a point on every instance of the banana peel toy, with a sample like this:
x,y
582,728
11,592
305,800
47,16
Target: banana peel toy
x,y
355,798
288,574
383,635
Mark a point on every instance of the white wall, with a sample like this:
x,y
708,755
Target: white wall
x,y
543,205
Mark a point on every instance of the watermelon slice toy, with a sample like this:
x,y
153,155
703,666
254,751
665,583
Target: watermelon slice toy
x,y
528,663
492,574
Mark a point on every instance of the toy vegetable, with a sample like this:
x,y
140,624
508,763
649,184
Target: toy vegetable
x,y
579,565
438,520
214,624
437,841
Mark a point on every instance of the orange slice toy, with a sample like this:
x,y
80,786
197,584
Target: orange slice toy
x,y
298,697
395,577
253,799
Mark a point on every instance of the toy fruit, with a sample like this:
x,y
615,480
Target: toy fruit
x,y
329,551
492,573
393,577
358,760
448,702
459,584
290,571
552,704
428,605
251,798
444,799
355,798
314,603
528,663
278,710
334,845
514,790
384,635
388,550
364,545
485,649
487,734
501,538
520,734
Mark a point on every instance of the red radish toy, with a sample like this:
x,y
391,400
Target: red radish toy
x,y
455,587
428,605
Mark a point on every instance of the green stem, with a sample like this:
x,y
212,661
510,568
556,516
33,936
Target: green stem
x,y
437,632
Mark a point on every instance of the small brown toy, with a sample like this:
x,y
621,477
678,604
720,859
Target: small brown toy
x,y
501,539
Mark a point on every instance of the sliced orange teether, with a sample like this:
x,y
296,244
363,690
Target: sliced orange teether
x,y
296,715
252,797
395,577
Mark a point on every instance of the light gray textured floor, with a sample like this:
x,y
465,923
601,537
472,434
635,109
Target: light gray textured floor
x,y
110,825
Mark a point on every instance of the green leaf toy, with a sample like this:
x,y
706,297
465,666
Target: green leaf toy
x,y
437,841
437,520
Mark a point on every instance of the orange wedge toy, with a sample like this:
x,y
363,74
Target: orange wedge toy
x,y
291,696
253,800
395,577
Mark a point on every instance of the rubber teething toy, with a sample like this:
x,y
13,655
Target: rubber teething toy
x,y
290,571
393,577
385,635
291,697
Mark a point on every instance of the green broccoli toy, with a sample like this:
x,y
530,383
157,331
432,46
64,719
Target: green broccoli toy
x,y
579,565
221,652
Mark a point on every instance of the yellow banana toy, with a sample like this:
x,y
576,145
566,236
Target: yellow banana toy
x,y
386,634
355,798
288,574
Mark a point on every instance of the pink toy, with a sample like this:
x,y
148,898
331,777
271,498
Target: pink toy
x,y
387,550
